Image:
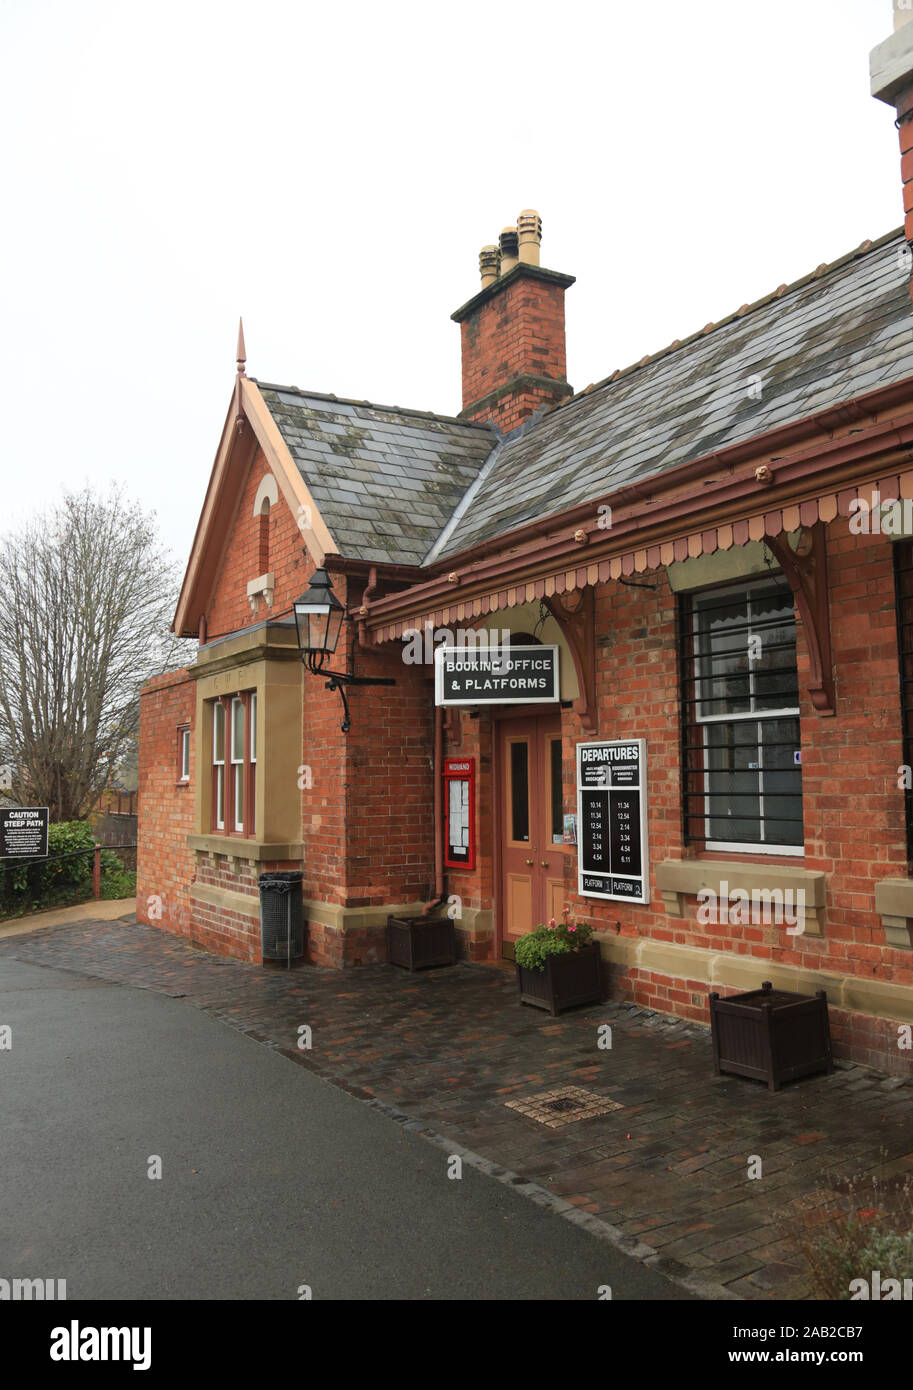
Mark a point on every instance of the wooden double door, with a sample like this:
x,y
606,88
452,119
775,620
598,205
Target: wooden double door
x,y
531,825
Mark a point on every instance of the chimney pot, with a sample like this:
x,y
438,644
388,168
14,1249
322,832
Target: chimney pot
x,y
529,236
489,265
509,249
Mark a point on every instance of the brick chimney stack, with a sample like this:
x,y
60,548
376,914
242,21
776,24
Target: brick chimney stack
x,y
513,339
891,69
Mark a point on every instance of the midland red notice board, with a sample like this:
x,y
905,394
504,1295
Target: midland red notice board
x,y
459,812
24,832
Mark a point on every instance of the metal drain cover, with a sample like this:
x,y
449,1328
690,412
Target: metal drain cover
x,y
563,1106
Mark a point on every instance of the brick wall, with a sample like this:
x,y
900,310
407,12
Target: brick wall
x,y
231,931
390,786
637,697
229,610
852,807
165,867
367,817
855,825
515,335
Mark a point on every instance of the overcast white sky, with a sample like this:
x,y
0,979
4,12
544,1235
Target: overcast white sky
x,y
330,171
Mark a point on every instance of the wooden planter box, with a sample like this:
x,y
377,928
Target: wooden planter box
x,y
566,981
417,943
771,1034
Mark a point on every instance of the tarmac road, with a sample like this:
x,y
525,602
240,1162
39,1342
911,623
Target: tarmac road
x,y
271,1178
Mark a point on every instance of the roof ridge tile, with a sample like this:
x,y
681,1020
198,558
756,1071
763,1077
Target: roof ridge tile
x,y
825,267
373,405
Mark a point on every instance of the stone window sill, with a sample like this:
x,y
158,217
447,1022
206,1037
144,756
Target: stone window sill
x,y
894,904
678,879
236,848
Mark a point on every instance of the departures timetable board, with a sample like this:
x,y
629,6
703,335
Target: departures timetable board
x,y
612,820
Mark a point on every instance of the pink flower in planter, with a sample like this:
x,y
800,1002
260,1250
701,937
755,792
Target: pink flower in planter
x,y
551,922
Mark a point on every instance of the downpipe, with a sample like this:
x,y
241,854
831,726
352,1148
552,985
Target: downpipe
x,y
438,819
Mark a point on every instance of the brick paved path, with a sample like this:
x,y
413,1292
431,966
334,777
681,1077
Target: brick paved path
x,y
667,1168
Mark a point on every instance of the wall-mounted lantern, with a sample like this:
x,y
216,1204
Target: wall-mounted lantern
x,y
318,620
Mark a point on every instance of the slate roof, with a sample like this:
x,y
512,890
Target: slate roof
x,y
386,481
407,487
829,337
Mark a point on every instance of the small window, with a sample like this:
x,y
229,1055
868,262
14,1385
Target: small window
x,y
184,753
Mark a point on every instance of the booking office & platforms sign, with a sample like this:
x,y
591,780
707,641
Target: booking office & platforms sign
x,y
496,675
612,820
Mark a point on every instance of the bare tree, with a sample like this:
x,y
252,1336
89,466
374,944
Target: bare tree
x,y
86,597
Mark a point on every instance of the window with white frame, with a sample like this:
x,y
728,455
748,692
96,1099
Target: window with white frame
x,y
742,771
234,756
184,753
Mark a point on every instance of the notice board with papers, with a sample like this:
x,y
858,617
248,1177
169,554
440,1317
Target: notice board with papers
x,y
459,813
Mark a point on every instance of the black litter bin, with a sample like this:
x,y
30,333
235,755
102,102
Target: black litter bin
x,y
281,916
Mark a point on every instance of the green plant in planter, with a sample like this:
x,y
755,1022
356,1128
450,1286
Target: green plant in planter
x,y
553,939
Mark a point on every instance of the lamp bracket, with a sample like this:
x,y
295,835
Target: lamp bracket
x,y
338,680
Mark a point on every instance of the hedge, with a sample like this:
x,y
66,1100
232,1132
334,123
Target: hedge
x,y
65,876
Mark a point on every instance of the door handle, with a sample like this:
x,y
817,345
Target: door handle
x,y
544,863
530,861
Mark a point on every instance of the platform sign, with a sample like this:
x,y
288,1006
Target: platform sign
x,y
496,675
612,852
24,832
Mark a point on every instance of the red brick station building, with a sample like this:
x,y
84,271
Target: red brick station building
x,y
717,542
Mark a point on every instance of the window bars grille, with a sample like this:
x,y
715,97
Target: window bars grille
x,y
741,758
903,589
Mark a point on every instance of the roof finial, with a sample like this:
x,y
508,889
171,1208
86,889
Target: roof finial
x,y
242,351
